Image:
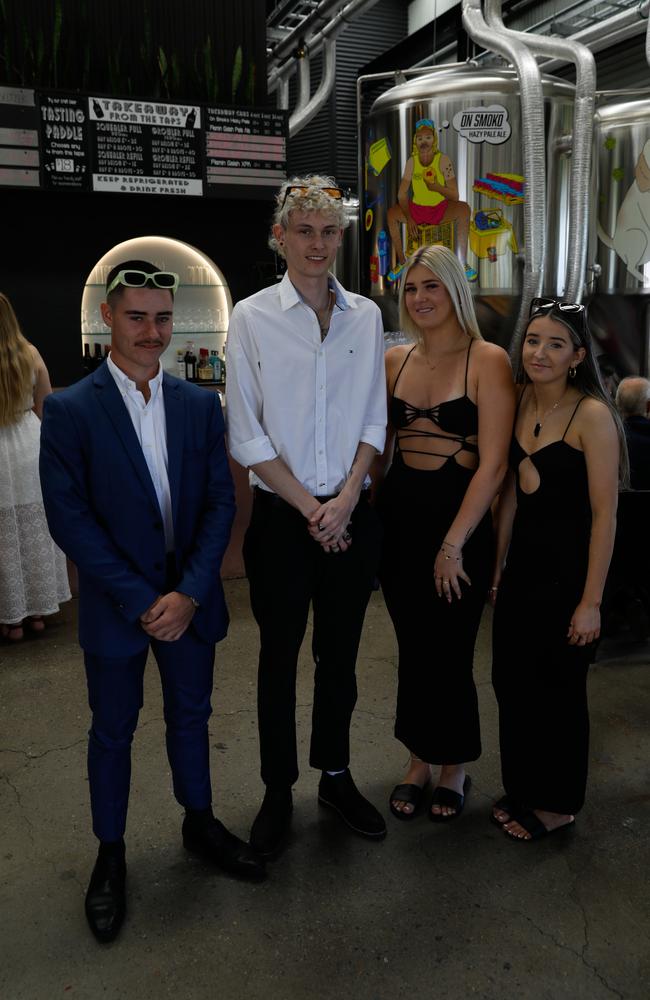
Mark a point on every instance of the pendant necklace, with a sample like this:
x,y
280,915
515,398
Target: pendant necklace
x,y
324,316
540,423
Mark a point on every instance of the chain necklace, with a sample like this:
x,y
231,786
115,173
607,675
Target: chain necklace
x,y
540,423
324,316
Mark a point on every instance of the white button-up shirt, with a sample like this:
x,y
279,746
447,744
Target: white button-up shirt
x,y
150,426
290,396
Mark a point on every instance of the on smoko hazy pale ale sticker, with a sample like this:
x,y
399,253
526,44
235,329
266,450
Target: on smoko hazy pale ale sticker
x,y
483,124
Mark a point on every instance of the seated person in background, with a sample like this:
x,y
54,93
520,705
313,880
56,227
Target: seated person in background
x,y
633,404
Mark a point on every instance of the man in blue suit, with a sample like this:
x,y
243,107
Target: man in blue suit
x,y
138,494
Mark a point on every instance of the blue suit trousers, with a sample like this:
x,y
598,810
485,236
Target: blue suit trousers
x,y
115,694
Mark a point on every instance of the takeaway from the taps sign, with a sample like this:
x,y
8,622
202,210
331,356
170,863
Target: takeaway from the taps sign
x,y
130,146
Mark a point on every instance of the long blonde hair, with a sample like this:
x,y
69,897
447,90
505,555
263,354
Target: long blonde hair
x,y
446,267
16,366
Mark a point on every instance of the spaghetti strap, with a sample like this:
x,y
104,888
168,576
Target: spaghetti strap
x,y
392,392
471,341
575,410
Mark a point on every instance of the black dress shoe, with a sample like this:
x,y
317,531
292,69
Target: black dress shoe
x,y
106,896
214,843
271,826
339,792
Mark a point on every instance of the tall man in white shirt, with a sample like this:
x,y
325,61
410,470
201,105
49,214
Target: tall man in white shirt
x,y
306,409
138,493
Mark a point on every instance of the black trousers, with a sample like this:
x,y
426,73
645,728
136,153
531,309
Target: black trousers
x,y
540,682
287,572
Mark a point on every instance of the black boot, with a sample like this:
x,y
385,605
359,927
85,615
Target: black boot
x,y
271,827
339,792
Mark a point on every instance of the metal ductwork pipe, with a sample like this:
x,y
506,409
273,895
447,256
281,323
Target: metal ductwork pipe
x,y
610,31
534,156
305,112
304,81
318,18
583,129
315,42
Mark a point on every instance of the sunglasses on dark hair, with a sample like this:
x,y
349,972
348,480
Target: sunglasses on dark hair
x,y
303,190
543,303
139,279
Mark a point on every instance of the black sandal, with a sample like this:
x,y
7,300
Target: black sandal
x,y
506,804
411,795
453,800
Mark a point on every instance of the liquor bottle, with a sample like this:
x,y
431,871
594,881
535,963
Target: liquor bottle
x,y
191,118
107,350
97,108
223,365
180,363
215,361
204,369
87,361
190,362
98,356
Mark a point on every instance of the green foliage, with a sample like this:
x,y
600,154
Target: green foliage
x,y
236,73
57,44
56,39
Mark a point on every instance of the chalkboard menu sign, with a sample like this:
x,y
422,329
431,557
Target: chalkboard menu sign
x,y
244,146
93,143
145,147
19,155
64,141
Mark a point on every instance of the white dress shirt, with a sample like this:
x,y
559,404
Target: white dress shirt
x,y
150,426
290,396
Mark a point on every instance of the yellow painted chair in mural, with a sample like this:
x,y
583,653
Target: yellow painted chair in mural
x,y
441,235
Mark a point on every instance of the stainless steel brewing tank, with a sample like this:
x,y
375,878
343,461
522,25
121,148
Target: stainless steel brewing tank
x,y
619,236
462,125
346,263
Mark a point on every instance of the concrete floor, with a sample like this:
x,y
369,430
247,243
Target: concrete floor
x,y
433,911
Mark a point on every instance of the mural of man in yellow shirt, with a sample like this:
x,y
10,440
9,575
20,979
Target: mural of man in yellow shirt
x,y
428,196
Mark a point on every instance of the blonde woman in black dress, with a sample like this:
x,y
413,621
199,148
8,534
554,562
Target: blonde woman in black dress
x,y
451,406
555,530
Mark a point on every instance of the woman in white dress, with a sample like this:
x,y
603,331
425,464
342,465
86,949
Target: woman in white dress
x,y
33,574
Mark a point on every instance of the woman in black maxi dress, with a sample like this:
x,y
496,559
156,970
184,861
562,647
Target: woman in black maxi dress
x,y
555,529
451,403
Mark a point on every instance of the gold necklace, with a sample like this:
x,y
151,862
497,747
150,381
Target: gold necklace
x,y
432,367
540,423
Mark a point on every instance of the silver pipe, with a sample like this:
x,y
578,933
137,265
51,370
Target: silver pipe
x,y
302,115
532,120
316,41
583,130
606,33
318,17
304,82
283,95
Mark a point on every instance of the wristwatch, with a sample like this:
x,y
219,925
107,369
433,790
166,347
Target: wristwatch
x,y
194,601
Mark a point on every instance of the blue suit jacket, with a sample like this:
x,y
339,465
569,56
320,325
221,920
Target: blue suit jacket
x,y
103,512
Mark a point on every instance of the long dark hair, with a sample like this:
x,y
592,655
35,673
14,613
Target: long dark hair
x,y
588,380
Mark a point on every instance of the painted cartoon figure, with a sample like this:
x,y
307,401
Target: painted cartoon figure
x,y
631,239
428,196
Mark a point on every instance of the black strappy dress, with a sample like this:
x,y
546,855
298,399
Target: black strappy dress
x,y
539,679
437,708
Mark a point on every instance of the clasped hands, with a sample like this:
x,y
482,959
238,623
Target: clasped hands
x,y
328,524
168,617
